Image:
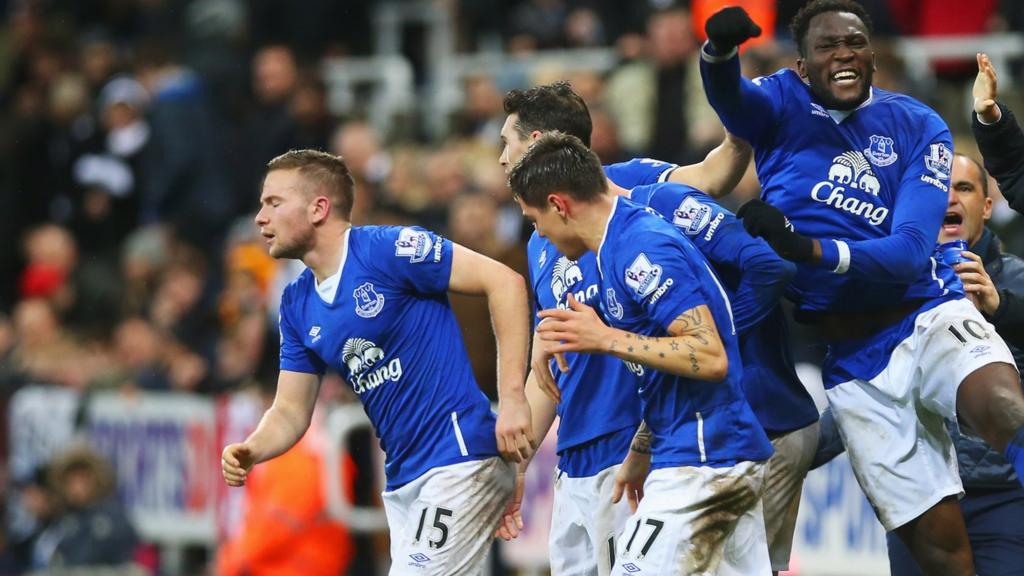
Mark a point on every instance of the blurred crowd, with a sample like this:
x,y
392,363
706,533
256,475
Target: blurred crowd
x,y
134,134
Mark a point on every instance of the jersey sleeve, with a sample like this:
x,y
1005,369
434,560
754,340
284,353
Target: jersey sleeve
x,y
747,108
919,207
295,356
639,172
762,276
413,258
536,265
660,277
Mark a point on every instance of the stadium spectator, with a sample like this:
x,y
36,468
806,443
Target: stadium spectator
x,y
92,529
30,535
286,529
652,97
472,222
182,184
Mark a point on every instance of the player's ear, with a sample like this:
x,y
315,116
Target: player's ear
x,y
801,68
535,134
558,204
320,209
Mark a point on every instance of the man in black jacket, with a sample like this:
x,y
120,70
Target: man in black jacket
x,y
1001,143
994,501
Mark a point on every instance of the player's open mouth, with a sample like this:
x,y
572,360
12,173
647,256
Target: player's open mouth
x,y
847,77
952,222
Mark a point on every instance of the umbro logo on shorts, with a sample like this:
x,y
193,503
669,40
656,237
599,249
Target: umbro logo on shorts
x,y
631,568
420,558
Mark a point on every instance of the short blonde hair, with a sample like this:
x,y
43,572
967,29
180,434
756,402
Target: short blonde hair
x,y
327,172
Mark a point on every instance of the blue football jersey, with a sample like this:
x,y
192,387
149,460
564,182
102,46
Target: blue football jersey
x,y
871,183
390,332
754,277
650,275
639,172
599,394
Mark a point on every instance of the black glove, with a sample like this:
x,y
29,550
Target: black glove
x,y
730,27
766,221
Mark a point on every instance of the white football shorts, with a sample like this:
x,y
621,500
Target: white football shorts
x,y
893,425
585,524
443,522
697,521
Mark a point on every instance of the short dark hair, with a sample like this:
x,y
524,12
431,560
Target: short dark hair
x,y
982,173
557,162
326,171
802,21
550,107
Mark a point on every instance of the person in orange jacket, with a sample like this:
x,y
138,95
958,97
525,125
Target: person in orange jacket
x,y
286,528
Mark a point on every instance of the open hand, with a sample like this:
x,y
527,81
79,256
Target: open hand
x,y
985,91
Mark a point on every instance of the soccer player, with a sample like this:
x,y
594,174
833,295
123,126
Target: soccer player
x,y
862,176
373,306
672,325
993,502
754,278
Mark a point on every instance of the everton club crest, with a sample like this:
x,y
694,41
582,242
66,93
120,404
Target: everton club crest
x,y
368,301
880,151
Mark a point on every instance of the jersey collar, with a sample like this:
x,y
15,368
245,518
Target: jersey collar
x,y
328,289
839,115
611,215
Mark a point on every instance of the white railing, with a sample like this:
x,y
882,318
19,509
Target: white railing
x,y
341,423
921,53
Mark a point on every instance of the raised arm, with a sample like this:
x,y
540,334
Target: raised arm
x,y
999,136
281,427
745,108
477,275
720,171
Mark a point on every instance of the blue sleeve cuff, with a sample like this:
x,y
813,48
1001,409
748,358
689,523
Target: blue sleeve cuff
x,y
710,55
835,256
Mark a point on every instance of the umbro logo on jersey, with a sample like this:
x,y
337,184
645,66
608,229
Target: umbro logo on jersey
x,y
314,333
819,110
